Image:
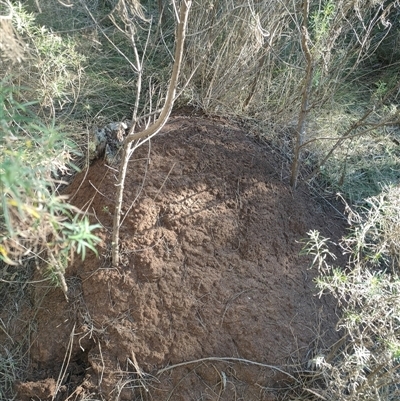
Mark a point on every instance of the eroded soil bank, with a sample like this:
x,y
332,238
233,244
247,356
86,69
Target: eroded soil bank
x,y
210,268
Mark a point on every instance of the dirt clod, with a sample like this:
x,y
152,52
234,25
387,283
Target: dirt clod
x,y
38,390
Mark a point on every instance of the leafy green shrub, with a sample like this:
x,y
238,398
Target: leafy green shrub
x,y
365,364
36,222
53,67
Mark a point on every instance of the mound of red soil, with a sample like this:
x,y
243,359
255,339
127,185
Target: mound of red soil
x,y
210,268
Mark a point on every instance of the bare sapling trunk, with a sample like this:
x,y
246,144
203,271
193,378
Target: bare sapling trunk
x,y
305,98
151,130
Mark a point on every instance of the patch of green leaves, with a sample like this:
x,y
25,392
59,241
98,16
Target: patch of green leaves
x,y
79,233
366,363
34,219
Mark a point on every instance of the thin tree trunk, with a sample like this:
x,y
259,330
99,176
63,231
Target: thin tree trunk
x,y
153,129
260,66
305,100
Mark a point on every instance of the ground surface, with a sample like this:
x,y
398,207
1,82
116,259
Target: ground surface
x,y
210,268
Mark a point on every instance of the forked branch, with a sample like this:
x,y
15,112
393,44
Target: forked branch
x,y
152,129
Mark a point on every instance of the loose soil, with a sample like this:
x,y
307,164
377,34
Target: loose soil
x,y
210,268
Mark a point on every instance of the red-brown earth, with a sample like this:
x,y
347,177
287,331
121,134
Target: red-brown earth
x,y
210,268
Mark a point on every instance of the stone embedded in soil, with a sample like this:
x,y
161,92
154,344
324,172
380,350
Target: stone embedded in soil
x,y
210,267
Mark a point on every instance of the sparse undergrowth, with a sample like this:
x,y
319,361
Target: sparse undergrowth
x,y
365,363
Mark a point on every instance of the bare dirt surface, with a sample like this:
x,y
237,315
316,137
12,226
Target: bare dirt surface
x,y
210,269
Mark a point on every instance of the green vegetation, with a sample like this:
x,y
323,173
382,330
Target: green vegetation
x,y
364,364
318,80
36,220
